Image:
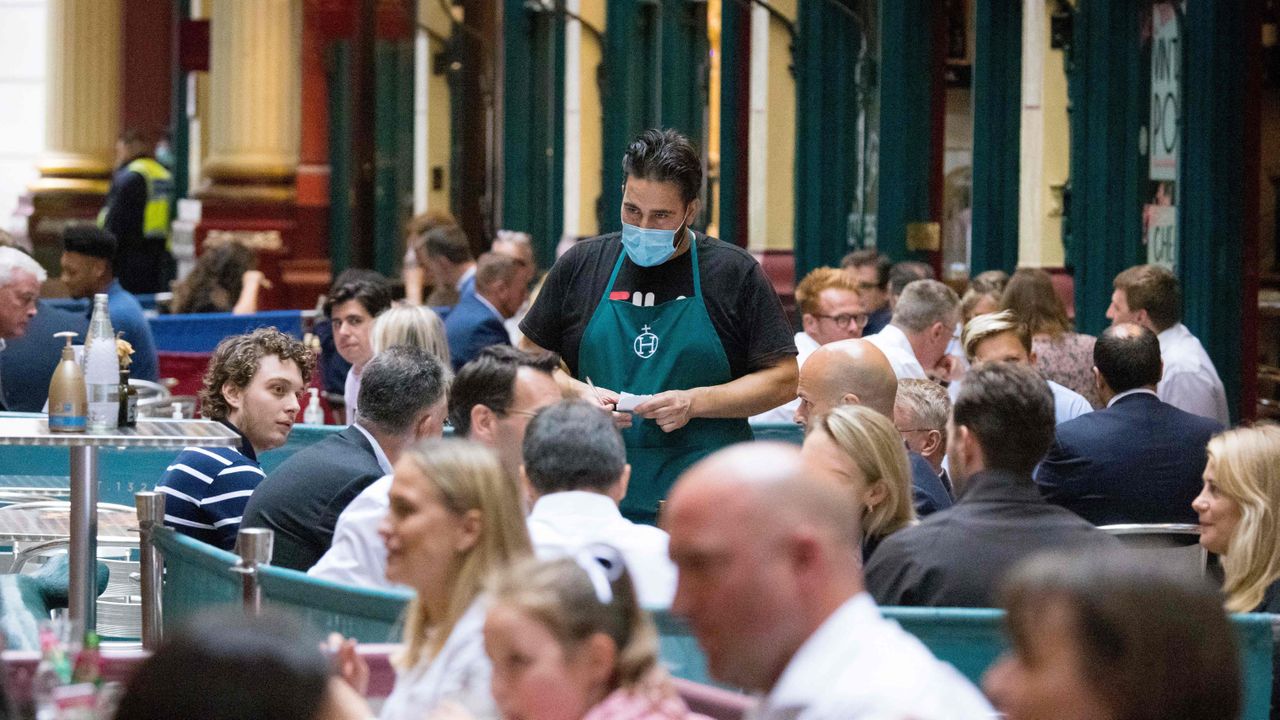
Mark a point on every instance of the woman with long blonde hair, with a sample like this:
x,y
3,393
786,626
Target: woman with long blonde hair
x,y
1239,509
861,448
454,520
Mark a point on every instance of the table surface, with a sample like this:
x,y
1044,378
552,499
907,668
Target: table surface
x,y
148,433
42,521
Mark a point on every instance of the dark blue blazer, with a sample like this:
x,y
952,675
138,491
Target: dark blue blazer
x,y
928,493
472,327
301,499
1138,461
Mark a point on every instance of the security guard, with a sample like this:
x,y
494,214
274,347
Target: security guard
x,y
137,213
686,322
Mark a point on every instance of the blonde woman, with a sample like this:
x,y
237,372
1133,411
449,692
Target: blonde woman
x,y
454,520
861,448
1239,509
568,640
415,325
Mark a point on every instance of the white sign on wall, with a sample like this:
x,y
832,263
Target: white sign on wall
x,y
1166,70
1162,236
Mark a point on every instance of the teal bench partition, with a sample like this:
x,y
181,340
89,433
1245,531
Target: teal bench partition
x,y
198,577
370,616
972,639
780,432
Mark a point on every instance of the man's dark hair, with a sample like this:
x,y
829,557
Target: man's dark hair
x,y
140,139
1128,357
490,380
1009,408
448,242
573,445
664,156
870,256
906,272
237,359
397,386
90,240
374,295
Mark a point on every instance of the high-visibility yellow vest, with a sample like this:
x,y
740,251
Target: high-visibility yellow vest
x,y
155,217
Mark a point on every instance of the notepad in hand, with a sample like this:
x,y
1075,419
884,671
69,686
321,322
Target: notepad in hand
x,y
628,402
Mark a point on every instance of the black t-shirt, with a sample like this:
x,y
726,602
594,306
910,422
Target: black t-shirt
x,y
744,309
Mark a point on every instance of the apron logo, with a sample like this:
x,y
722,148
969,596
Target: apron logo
x,y
646,343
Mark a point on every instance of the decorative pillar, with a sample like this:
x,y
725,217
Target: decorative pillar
x,y
82,120
255,103
249,194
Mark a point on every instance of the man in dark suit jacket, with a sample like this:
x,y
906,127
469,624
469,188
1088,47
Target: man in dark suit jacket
x,y
1139,460
502,285
402,399
856,372
1001,425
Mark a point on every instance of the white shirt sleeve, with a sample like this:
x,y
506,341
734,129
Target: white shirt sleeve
x,y
358,556
1193,392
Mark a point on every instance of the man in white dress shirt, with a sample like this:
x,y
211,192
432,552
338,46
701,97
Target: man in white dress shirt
x,y
771,584
924,322
491,401
1149,295
830,310
575,471
999,337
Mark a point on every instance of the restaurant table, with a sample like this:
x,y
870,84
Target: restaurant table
x,y
83,526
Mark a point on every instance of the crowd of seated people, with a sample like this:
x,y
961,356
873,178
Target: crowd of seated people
x,y
942,453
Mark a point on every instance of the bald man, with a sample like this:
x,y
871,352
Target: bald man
x,y
770,582
857,372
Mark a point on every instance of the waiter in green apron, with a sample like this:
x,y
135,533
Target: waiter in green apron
x,y
680,334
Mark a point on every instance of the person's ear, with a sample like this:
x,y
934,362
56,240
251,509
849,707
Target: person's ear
x,y
691,212
233,394
932,441
1098,381
526,487
1032,357
850,399
876,494
483,422
809,324
469,531
599,654
619,489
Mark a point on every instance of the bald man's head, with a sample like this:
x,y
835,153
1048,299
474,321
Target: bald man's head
x,y
849,372
765,552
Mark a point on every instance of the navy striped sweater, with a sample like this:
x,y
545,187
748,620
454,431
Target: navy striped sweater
x,y
207,490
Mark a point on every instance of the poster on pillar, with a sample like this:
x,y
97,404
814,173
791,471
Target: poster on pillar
x,y
1162,235
1165,79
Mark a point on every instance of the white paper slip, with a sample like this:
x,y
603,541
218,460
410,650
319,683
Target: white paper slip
x,y
628,402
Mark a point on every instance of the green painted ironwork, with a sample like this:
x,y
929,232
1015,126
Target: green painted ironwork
x,y
1211,209
906,115
832,68
393,150
1106,94
180,128
654,74
735,63
997,105
533,125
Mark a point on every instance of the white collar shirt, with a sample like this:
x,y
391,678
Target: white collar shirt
x,y
383,462
357,556
460,674
1190,381
860,666
785,414
484,301
1136,391
563,523
895,345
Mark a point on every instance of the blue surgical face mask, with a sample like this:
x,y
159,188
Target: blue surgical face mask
x,y
648,248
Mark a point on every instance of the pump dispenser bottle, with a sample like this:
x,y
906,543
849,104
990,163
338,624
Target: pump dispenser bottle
x,y
68,402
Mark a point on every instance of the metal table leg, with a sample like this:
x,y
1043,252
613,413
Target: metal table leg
x,y
84,538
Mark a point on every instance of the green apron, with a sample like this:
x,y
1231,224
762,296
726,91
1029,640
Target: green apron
x,y
648,350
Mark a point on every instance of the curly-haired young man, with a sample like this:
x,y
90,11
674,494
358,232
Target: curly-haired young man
x,y
252,386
